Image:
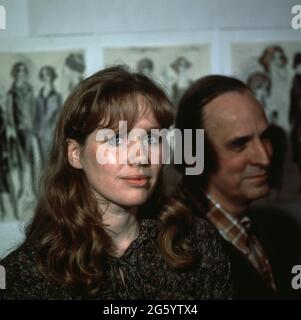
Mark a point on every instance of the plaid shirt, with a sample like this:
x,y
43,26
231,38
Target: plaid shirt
x,y
238,233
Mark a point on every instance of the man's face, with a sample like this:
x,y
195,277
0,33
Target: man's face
x,y
237,128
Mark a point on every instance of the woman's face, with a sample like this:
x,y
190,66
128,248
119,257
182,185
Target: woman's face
x,y
126,185
46,76
277,59
21,74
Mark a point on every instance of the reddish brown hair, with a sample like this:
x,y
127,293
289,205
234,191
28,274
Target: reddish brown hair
x,y
67,226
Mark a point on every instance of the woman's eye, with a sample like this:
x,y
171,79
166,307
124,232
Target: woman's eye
x,y
115,141
151,139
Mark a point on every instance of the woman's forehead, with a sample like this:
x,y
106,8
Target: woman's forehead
x,y
147,120
131,109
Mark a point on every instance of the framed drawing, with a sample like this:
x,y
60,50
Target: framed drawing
x,y
173,67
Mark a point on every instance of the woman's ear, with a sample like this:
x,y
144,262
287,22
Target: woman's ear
x,y
74,154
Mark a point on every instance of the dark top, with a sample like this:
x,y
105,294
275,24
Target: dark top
x,y
247,282
140,273
280,241
4,184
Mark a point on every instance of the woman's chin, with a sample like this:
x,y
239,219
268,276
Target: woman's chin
x,y
135,199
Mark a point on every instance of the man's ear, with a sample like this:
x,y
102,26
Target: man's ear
x,y
74,154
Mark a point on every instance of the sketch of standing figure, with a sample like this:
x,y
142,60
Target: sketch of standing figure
x,y
260,85
22,144
182,81
295,94
274,62
48,104
74,68
295,112
145,66
5,183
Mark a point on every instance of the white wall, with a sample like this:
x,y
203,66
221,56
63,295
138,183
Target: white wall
x,y
59,17
37,24
16,19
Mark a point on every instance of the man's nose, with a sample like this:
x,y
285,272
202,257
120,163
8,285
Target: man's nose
x,y
261,153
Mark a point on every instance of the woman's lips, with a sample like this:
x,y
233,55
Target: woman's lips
x,y
139,181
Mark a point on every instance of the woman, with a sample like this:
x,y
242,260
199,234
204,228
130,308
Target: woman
x,y
274,63
88,238
48,104
183,81
260,84
19,108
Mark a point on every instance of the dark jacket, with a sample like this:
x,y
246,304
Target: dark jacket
x,y
280,240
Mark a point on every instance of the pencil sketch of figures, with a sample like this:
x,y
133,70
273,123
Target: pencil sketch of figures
x,y
32,87
5,182
260,85
273,73
274,61
23,148
74,69
182,80
146,66
172,67
48,105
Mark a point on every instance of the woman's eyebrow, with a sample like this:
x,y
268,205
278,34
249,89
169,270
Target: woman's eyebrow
x,y
153,128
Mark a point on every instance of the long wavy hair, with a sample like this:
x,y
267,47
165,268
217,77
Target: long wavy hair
x,y
67,225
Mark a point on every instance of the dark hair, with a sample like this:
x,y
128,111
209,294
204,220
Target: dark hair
x,y
268,54
180,60
257,79
145,63
15,69
51,71
190,116
67,226
76,62
297,60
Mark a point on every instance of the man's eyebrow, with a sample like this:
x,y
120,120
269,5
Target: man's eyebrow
x,y
237,141
266,132
240,140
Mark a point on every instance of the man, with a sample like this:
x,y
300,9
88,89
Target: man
x,y
237,154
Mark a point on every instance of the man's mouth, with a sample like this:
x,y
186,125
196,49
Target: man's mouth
x,y
259,176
